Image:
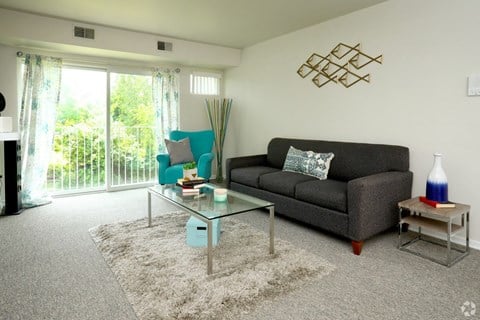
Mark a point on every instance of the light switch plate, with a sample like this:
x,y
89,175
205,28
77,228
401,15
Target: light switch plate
x,y
474,85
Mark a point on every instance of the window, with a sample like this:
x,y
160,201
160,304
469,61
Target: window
x,y
205,83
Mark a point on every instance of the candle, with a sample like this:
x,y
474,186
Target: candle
x,y
220,194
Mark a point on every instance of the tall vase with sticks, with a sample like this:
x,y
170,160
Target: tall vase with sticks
x,y
218,114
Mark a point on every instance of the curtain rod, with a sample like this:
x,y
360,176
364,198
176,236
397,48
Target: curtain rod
x,y
101,61
176,70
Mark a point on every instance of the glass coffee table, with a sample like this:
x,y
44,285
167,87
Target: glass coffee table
x,y
206,209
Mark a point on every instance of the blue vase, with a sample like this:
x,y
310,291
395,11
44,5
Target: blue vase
x,y
437,185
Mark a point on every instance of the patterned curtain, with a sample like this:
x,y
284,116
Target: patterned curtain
x,y
165,100
41,93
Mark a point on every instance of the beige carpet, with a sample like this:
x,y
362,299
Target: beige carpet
x,y
163,278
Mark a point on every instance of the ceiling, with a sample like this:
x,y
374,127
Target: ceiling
x,y
229,23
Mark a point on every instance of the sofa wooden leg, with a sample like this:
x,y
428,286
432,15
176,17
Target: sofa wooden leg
x,y
357,247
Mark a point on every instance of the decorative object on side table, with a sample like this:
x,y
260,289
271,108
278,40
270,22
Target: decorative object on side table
x,y
437,185
218,114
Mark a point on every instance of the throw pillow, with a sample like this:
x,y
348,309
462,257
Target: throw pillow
x,y
308,162
294,160
179,151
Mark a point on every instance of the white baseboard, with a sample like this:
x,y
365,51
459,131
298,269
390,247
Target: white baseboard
x,y
475,244
458,239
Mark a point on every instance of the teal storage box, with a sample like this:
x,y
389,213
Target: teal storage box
x,y
197,232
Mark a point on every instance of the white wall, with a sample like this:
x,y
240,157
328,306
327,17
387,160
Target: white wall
x,y
8,81
193,114
46,33
417,98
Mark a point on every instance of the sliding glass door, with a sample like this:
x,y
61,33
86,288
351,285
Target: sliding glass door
x,y
77,161
133,146
104,137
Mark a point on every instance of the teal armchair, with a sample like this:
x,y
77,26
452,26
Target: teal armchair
x,y
201,143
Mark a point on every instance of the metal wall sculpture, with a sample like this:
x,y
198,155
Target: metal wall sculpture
x,y
339,66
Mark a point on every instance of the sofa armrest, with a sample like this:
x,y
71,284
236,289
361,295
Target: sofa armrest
x,y
372,202
246,161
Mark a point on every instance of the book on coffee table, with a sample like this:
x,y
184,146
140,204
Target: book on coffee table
x,y
190,192
190,183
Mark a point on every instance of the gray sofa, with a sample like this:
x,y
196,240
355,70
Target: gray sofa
x,y
358,199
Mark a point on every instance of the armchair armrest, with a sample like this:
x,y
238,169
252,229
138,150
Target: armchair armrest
x,y
163,158
246,161
163,163
372,202
204,165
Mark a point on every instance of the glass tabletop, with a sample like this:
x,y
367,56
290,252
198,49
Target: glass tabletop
x,y
204,203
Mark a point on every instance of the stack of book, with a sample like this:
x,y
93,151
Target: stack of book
x,y
190,192
190,187
437,204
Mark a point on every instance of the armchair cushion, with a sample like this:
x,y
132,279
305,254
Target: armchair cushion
x,y
179,151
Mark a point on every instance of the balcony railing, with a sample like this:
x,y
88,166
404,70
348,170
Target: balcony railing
x,y
78,159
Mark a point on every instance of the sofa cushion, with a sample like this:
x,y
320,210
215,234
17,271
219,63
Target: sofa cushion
x,y
250,175
308,162
283,182
331,194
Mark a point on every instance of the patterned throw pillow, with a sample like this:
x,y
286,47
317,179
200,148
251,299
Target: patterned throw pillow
x,y
308,162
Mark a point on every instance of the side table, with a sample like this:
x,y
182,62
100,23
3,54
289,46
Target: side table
x,y
448,221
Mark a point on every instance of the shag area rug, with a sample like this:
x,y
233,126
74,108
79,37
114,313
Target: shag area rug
x,y
164,278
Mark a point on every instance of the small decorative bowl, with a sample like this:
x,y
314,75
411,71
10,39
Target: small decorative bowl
x,y
220,194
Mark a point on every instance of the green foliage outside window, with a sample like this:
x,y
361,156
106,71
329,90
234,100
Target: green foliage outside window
x,y
79,144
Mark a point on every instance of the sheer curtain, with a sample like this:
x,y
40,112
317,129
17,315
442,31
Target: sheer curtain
x,y
166,89
41,93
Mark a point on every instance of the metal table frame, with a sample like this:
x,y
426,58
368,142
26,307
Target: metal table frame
x,y
421,215
209,225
